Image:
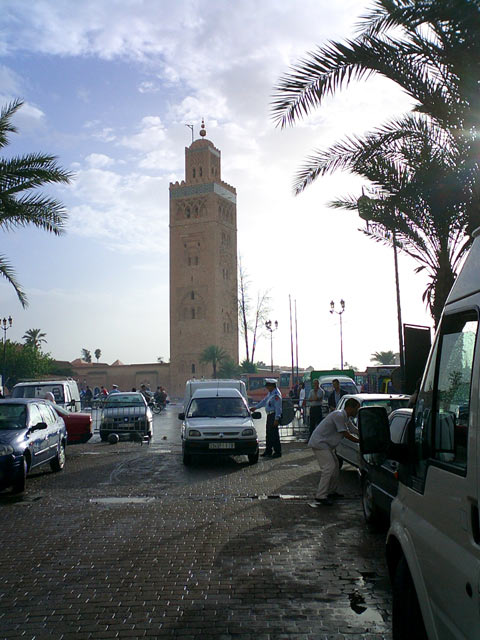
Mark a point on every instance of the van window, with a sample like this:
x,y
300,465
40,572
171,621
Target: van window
x,y
397,428
39,391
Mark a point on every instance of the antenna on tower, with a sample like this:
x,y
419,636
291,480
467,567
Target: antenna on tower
x,y
190,126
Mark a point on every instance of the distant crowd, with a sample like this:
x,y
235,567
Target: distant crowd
x,y
87,395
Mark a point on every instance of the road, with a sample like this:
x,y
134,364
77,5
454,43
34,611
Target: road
x,y
129,543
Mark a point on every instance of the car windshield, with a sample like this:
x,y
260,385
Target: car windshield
x,y
218,408
127,400
39,391
348,387
13,416
390,404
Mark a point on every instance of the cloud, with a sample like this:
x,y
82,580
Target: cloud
x,y
99,160
148,87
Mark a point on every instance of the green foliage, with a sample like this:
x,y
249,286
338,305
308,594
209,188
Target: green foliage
x,y
86,355
229,369
248,367
19,206
98,354
23,362
34,337
384,357
213,355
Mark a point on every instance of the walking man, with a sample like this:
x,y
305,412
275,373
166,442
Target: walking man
x,y
324,440
335,396
315,401
273,406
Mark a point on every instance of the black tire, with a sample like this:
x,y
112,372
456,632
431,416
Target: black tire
x,y
407,621
58,463
371,512
156,409
186,458
20,481
253,458
103,436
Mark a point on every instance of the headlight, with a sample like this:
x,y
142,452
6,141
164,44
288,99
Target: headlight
x,y
194,433
248,432
5,449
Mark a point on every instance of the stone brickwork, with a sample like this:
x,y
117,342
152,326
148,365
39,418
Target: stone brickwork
x,y
203,265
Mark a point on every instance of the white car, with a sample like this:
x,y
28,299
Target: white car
x,y
349,451
218,421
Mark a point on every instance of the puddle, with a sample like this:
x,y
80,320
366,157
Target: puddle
x,y
90,453
126,500
281,496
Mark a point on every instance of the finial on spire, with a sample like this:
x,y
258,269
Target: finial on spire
x,y
203,131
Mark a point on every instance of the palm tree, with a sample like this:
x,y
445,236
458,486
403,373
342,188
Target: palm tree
x,y
213,355
19,206
86,355
34,338
98,354
384,357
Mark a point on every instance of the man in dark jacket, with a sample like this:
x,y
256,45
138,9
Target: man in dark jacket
x,y
335,396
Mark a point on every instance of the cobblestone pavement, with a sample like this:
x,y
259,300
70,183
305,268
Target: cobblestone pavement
x,y
128,543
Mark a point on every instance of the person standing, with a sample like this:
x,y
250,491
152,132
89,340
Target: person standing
x,y
315,401
324,440
335,396
301,398
273,406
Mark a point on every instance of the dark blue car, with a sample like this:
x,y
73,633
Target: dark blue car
x,y
31,434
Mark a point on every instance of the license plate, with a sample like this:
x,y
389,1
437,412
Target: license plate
x,y
221,445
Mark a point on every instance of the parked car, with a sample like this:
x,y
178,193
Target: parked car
x,y
380,481
126,414
218,421
31,434
79,425
65,392
349,451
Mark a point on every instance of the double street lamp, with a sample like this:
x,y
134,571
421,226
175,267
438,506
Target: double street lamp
x,y
6,324
271,326
340,313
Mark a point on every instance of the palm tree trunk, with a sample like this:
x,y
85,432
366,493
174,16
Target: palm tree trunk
x,y
445,278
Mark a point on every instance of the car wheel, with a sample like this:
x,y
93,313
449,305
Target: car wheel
x,y
103,436
21,478
253,458
371,511
187,458
58,463
407,621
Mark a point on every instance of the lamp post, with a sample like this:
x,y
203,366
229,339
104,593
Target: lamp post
x,y
6,324
339,313
271,326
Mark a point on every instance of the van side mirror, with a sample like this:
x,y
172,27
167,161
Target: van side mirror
x,y
181,416
256,415
374,430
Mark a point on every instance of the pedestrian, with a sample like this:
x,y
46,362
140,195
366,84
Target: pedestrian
x,y
48,395
273,406
103,392
115,389
324,440
88,396
315,401
301,398
335,396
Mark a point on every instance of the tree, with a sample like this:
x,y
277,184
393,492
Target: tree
x,y
228,368
247,366
385,357
34,337
86,355
430,49
98,355
213,355
23,362
252,318
19,206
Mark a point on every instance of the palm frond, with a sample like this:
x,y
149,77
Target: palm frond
x,y
9,274
42,212
6,125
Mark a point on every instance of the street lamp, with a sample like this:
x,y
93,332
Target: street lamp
x,y
6,324
342,309
270,326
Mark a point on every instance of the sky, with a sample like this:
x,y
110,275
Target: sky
x,y
108,87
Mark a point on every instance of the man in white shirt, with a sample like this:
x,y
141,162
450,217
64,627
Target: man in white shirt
x,y
324,440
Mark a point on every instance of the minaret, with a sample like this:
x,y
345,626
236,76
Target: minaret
x,y
203,264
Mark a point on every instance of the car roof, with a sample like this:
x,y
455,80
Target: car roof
x,y
126,393
376,396
221,392
404,411
23,400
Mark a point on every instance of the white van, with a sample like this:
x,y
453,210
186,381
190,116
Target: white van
x,y
217,421
65,392
191,386
433,544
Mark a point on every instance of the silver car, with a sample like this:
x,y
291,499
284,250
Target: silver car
x,y
126,414
349,451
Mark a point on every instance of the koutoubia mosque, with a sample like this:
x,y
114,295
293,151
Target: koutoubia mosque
x,y
203,279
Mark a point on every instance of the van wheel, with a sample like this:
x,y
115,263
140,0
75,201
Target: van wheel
x,y
187,459
103,436
21,478
253,458
407,621
371,511
58,463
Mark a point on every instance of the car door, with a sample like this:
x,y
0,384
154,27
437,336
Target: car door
x,y
347,449
389,469
38,439
439,505
53,429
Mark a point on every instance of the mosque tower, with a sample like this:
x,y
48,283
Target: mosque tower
x,y
203,265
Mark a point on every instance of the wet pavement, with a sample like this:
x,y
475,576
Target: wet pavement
x,y
127,542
